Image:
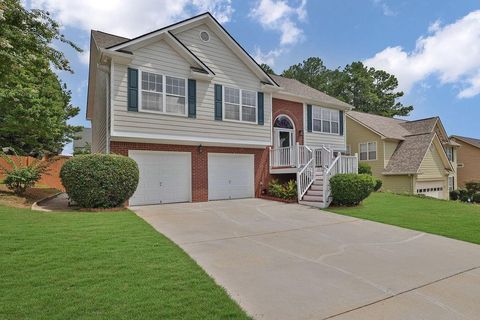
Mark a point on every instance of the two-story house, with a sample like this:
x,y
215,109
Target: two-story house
x,y
204,121
468,160
414,157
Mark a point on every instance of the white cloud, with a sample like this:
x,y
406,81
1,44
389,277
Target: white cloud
x,y
387,11
268,57
130,18
450,52
278,15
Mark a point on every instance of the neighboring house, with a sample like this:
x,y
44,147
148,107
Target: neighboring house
x,y
84,141
468,159
204,121
414,157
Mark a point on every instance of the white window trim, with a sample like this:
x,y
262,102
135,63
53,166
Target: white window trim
x,y
368,153
321,121
241,105
164,93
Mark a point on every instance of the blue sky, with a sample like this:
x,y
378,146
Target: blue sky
x,y
433,47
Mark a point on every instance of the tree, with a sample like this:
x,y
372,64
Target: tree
x,y
267,68
34,103
368,89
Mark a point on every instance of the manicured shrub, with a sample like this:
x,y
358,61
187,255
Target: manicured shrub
x,y
454,195
473,187
364,168
19,175
465,195
350,189
378,184
476,197
283,191
100,180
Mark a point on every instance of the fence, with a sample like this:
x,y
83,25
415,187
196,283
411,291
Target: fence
x,y
50,179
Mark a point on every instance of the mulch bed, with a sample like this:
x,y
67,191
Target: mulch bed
x,y
269,197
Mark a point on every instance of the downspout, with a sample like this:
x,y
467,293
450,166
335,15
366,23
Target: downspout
x,y
106,70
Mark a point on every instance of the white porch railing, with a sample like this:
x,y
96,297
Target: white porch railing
x,y
323,157
294,156
305,178
348,164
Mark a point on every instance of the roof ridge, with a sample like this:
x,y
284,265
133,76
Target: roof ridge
x,y
377,115
423,119
108,33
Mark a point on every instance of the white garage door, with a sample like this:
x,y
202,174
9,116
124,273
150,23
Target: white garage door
x,y
432,189
164,177
230,176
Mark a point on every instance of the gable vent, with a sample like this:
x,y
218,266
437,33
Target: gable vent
x,y
204,36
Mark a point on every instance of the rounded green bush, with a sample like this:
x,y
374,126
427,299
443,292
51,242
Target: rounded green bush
x,y
454,195
476,197
378,184
100,180
350,189
364,168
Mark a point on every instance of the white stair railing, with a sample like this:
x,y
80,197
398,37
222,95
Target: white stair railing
x,y
332,170
305,178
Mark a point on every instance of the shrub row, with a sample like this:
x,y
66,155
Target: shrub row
x,y
350,189
471,193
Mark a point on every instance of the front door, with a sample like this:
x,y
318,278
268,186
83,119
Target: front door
x,y
284,140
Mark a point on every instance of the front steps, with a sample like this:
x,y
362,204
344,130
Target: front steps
x,y
314,195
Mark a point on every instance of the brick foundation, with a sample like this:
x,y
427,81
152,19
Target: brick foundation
x,y
200,163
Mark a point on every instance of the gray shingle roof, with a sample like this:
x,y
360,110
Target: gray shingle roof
x,y
297,88
474,142
409,154
420,126
388,127
105,40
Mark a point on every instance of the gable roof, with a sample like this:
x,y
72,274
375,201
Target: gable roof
x,y
208,18
472,141
415,138
105,40
295,87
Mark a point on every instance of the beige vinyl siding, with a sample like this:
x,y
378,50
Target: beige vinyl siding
x,y
318,139
389,149
160,57
356,134
398,184
99,119
432,167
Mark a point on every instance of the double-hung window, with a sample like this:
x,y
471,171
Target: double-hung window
x,y
449,151
325,120
240,105
163,94
368,151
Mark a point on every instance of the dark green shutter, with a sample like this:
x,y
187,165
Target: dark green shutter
x,y
260,117
218,102
341,123
132,80
192,98
309,117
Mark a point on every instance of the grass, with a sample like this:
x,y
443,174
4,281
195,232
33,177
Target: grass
x,y
446,218
100,266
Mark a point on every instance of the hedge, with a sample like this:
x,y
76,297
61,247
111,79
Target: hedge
x,y
350,189
100,180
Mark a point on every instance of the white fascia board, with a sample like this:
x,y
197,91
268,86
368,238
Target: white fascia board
x,y
298,98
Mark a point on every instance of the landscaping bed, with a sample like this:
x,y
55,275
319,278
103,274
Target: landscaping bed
x,y
8,198
451,219
110,265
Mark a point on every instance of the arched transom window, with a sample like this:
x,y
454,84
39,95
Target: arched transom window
x,y
283,122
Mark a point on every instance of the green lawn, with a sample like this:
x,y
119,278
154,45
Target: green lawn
x,y
447,218
109,265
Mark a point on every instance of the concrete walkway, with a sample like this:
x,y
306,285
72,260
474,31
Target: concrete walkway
x,y
286,261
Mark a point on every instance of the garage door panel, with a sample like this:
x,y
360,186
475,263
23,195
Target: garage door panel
x,y
164,177
230,176
434,189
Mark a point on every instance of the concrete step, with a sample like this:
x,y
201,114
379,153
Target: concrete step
x,y
320,205
313,198
317,182
314,193
317,187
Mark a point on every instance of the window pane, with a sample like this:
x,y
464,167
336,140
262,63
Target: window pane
x,y
372,155
363,156
363,147
151,82
334,127
232,95
372,146
175,86
335,115
317,125
152,101
326,126
316,113
326,114
248,114
249,98
232,111
175,105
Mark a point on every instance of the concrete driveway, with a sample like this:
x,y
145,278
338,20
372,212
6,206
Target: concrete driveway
x,y
286,261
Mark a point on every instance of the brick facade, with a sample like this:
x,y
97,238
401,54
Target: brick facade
x,y
200,163
292,109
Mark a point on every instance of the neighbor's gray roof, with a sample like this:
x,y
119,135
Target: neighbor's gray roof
x,y
420,126
105,40
474,142
387,127
409,154
297,88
